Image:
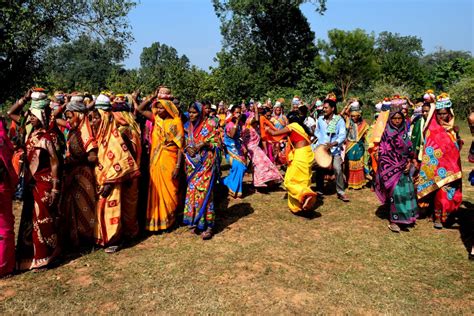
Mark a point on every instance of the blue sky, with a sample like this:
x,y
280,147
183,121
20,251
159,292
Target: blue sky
x,y
192,27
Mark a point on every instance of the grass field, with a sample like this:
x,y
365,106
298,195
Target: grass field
x,y
264,260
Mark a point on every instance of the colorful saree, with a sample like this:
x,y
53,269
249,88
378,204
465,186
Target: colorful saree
x,y
392,185
440,172
8,181
166,141
78,200
37,242
115,166
264,171
201,172
298,175
355,150
279,121
235,156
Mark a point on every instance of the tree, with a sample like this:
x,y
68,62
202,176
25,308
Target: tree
x,y
349,59
314,82
161,65
382,89
462,95
270,37
121,80
399,58
84,64
28,27
446,67
233,80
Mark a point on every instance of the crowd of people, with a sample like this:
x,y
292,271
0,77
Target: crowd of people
x,y
100,170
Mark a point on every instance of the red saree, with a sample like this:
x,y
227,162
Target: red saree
x,y
440,172
37,238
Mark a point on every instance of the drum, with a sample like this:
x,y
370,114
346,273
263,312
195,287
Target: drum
x,y
322,156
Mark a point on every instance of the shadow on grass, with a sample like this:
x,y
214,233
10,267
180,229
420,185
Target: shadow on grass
x,y
309,215
383,212
228,216
465,216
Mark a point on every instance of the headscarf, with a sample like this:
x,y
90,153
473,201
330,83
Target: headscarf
x,y
443,102
39,99
168,106
120,104
102,102
199,108
39,103
76,104
353,127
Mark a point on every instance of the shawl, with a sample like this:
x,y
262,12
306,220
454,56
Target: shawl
x,y
85,133
333,123
170,129
116,163
440,162
264,123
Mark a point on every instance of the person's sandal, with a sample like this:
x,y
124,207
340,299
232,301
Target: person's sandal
x,y
343,198
206,235
438,225
394,228
112,249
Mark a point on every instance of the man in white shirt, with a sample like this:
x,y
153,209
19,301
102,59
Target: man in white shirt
x,y
308,120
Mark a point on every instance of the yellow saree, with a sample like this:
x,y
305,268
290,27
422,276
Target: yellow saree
x,y
116,165
166,141
298,175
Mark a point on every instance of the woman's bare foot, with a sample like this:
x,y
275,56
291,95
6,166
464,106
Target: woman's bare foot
x,y
309,203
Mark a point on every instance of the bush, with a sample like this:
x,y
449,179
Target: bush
x,y
462,96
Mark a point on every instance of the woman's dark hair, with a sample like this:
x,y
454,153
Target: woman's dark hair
x,y
195,105
295,117
332,104
235,107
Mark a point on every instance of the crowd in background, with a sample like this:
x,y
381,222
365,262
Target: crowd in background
x,y
101,170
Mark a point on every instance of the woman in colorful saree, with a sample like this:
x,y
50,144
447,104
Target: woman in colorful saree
x,y
440,172
115,167
201,141
8,181
234,153
393,184
78,200
357,130
265,173
279,120
300,159
167,140
37,243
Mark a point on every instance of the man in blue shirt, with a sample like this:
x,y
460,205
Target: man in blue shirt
x,y
331,132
